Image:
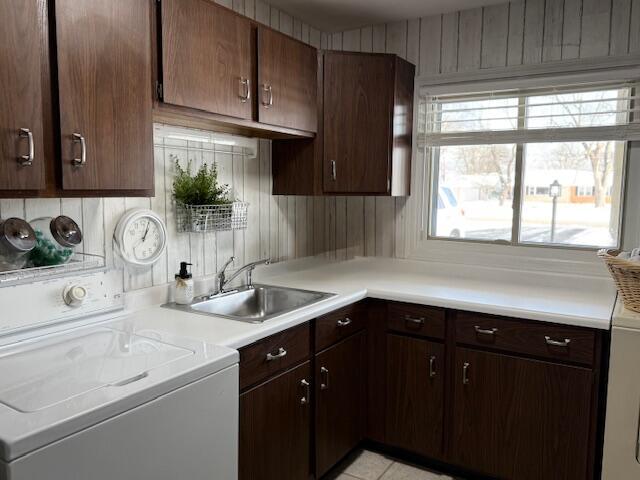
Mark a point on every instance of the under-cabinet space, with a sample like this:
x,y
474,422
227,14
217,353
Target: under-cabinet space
x,y
521,419
340,385
22,163
415,395
275,428
365,139
104,83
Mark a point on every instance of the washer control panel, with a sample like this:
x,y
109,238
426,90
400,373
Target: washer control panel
x,y
60,299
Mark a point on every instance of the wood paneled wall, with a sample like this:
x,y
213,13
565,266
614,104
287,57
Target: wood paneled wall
x,y
516,33
285,227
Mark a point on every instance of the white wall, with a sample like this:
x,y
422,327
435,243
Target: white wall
x,y
516,33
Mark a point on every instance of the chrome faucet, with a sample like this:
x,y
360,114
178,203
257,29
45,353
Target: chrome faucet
x,y
221,278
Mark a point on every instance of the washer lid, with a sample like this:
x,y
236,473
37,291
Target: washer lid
x,y
55,385
39,375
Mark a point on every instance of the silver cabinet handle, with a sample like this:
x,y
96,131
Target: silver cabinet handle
x,y
432,366
465,373
557,343
414,320
80,162
27,160
269,91
334,175
281,353
345,322
324,372
245,90
485,331
305,399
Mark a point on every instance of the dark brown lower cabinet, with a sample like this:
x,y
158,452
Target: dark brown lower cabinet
x,y
275,425
415,395
340,400
521,419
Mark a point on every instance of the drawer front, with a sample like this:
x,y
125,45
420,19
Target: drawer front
x,y
416,320
274,354
556,342
337,325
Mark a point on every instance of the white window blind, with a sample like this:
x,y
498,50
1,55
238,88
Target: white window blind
x,y
561,114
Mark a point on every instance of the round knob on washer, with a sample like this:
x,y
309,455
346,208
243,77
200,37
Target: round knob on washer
x,y
74,295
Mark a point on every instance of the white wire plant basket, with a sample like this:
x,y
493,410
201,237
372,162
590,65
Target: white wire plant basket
x,y
211,218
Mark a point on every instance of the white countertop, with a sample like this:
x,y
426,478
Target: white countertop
x,y
585,301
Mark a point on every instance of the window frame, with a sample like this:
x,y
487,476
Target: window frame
x,y
413,244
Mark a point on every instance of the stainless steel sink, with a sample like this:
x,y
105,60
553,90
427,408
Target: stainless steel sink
x,y
254,304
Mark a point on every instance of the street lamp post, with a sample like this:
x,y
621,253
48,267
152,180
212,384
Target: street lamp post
x,y
555,191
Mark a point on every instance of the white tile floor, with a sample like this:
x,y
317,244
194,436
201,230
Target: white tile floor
x,y
367,465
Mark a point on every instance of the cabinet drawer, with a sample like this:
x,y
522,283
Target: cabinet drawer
x,y
416,320
274,354
339,324
557,342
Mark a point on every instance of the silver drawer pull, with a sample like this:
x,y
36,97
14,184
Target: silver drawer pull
x,y
304,400
465,373
334,174
27,160
324,372
432,366
557,343
281,353
414,320
345,322
485,331
80,162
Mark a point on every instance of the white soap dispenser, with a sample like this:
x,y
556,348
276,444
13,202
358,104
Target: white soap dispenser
x,y
184,285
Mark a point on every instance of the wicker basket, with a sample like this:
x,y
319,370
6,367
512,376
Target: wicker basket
x,y
211,218
626,274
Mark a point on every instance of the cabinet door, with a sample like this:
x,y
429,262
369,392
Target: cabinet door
x,y
207,58
340,401
358,99
21,95
521,419
104,77
275,428
415,395
287,81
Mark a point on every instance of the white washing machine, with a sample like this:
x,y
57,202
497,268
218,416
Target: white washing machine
x,y
82,397
622,425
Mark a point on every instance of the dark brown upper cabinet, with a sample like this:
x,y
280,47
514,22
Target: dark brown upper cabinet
x,y
364,141
21,132
220,70
105,94
207,56
287,85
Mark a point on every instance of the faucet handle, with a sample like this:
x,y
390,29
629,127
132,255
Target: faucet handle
x,y
227,263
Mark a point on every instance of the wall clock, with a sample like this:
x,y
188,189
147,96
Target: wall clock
x,y
140,237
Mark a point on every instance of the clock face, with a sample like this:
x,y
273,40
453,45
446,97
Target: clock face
x,y
141,237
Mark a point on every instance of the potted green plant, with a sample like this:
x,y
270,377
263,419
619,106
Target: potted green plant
x,y
202,203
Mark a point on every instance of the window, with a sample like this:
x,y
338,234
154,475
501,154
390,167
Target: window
x,y
535,167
